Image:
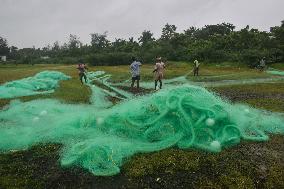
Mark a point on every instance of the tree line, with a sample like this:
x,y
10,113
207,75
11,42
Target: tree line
x,y
211,43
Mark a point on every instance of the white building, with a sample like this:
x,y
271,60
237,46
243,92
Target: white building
x,y
3,58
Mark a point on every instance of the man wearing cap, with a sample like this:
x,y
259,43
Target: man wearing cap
x,y
159,72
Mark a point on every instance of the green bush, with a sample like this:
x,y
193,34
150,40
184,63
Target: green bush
x,y
276,55
252,57
67,60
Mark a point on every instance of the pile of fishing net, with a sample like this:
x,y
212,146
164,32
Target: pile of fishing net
x,y
43,82
101,139
275,72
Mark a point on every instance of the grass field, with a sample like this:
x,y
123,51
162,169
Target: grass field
x,y
248,165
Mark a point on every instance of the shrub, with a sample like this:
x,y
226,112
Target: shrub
x,y
252,57
107,59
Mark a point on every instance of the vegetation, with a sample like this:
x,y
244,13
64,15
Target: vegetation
x,y
70,91
211,43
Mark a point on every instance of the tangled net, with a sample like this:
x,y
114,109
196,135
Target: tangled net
x,y
43,82
275,72
99,137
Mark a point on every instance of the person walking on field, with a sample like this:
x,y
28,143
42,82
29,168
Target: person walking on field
x,y
262,64
196,65
159,72
135,72
82,71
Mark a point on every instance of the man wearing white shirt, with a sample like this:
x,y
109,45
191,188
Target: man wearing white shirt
x,y
262,64
135,72
196,65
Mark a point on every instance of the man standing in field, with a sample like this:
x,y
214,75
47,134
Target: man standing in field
x,y
135,72
82,71
196,65
262,64
159,72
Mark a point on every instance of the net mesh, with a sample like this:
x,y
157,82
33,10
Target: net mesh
x,y
101,136
275,72
43,82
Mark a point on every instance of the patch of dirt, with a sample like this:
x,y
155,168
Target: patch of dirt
x,y
249,165
40,167
138,92
235,96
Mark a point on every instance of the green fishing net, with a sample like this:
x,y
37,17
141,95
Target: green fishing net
x,y
275,72
43,82
101,136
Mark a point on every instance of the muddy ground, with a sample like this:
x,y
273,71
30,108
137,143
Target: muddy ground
x,y
248,165
236,96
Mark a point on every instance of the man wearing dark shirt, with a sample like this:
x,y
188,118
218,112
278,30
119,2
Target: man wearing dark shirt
x,y
82,72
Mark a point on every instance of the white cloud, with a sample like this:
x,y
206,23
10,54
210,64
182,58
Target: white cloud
x,y
38,22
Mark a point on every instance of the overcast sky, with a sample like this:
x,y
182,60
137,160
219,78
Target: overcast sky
x,y
27,23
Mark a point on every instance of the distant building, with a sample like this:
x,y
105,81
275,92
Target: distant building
x,y
3,58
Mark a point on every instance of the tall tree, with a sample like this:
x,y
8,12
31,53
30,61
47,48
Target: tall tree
x,y
13,52
146,37
99,41
4,49
74,42
168,32
56,46
278,32
190,32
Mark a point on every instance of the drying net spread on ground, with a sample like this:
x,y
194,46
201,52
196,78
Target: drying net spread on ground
x,y
275,72
43,82
101,136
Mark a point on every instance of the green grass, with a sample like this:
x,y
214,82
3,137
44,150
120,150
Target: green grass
x,y
176,69
267,104
237,167
248,165
71,91
279,66
68,90
122,73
